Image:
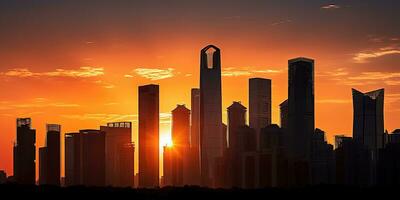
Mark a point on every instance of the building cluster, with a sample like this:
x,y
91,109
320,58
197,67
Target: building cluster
x,y
206,152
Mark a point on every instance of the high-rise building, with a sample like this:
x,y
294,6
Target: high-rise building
x,y
236,120
93,157
322,159
119,154
50,157
25,153
301,117
236,123
195,137
210,113
368,128
273,163
259,105
284,114
73,166
149,136
181,144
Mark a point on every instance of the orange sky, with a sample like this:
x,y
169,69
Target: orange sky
x,y
83,70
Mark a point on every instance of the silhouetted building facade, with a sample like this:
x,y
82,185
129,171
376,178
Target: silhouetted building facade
x,y
259,105
284,114
73,156
273,161
25,153
322,160
236,122
368,125
301,118
181,144
119,152
195,138
352,164
50,157
210,113
149,136
93,157
3,177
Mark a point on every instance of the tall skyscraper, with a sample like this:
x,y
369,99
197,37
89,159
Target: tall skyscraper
x,y
149,136
73,156
181,143
119,154
50,157
368,127
93,157
210,112
195,137
25,152
259,105
236,124
301,117
236,120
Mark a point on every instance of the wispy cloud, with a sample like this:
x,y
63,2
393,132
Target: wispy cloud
x,y
281,22
165,118
152,73
83,72
233,72
342,76
103,117
105,84
363,57
36,103
330,7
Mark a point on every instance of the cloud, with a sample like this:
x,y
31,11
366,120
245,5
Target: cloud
x,y
84,72
233,72
165,118
392,98
330,7
103,117
376,76
104,84
152,73
36,103
342,76
363,57
281,22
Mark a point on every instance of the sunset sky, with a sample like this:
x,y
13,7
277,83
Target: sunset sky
x,y
79,63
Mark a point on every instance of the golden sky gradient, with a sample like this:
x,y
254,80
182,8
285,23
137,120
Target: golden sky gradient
x,y
83,70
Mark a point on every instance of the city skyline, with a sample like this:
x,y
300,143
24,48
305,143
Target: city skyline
x,y
240,154
92,78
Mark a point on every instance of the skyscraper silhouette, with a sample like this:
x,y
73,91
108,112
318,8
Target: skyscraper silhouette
x,y
368,126
181,144
368,118
119,154
301,117
210,113
73,154
195,137
259,105
149,136
236,123
93,157
50,157
25,152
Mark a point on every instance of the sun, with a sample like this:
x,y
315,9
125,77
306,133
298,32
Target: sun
x,y
165,140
